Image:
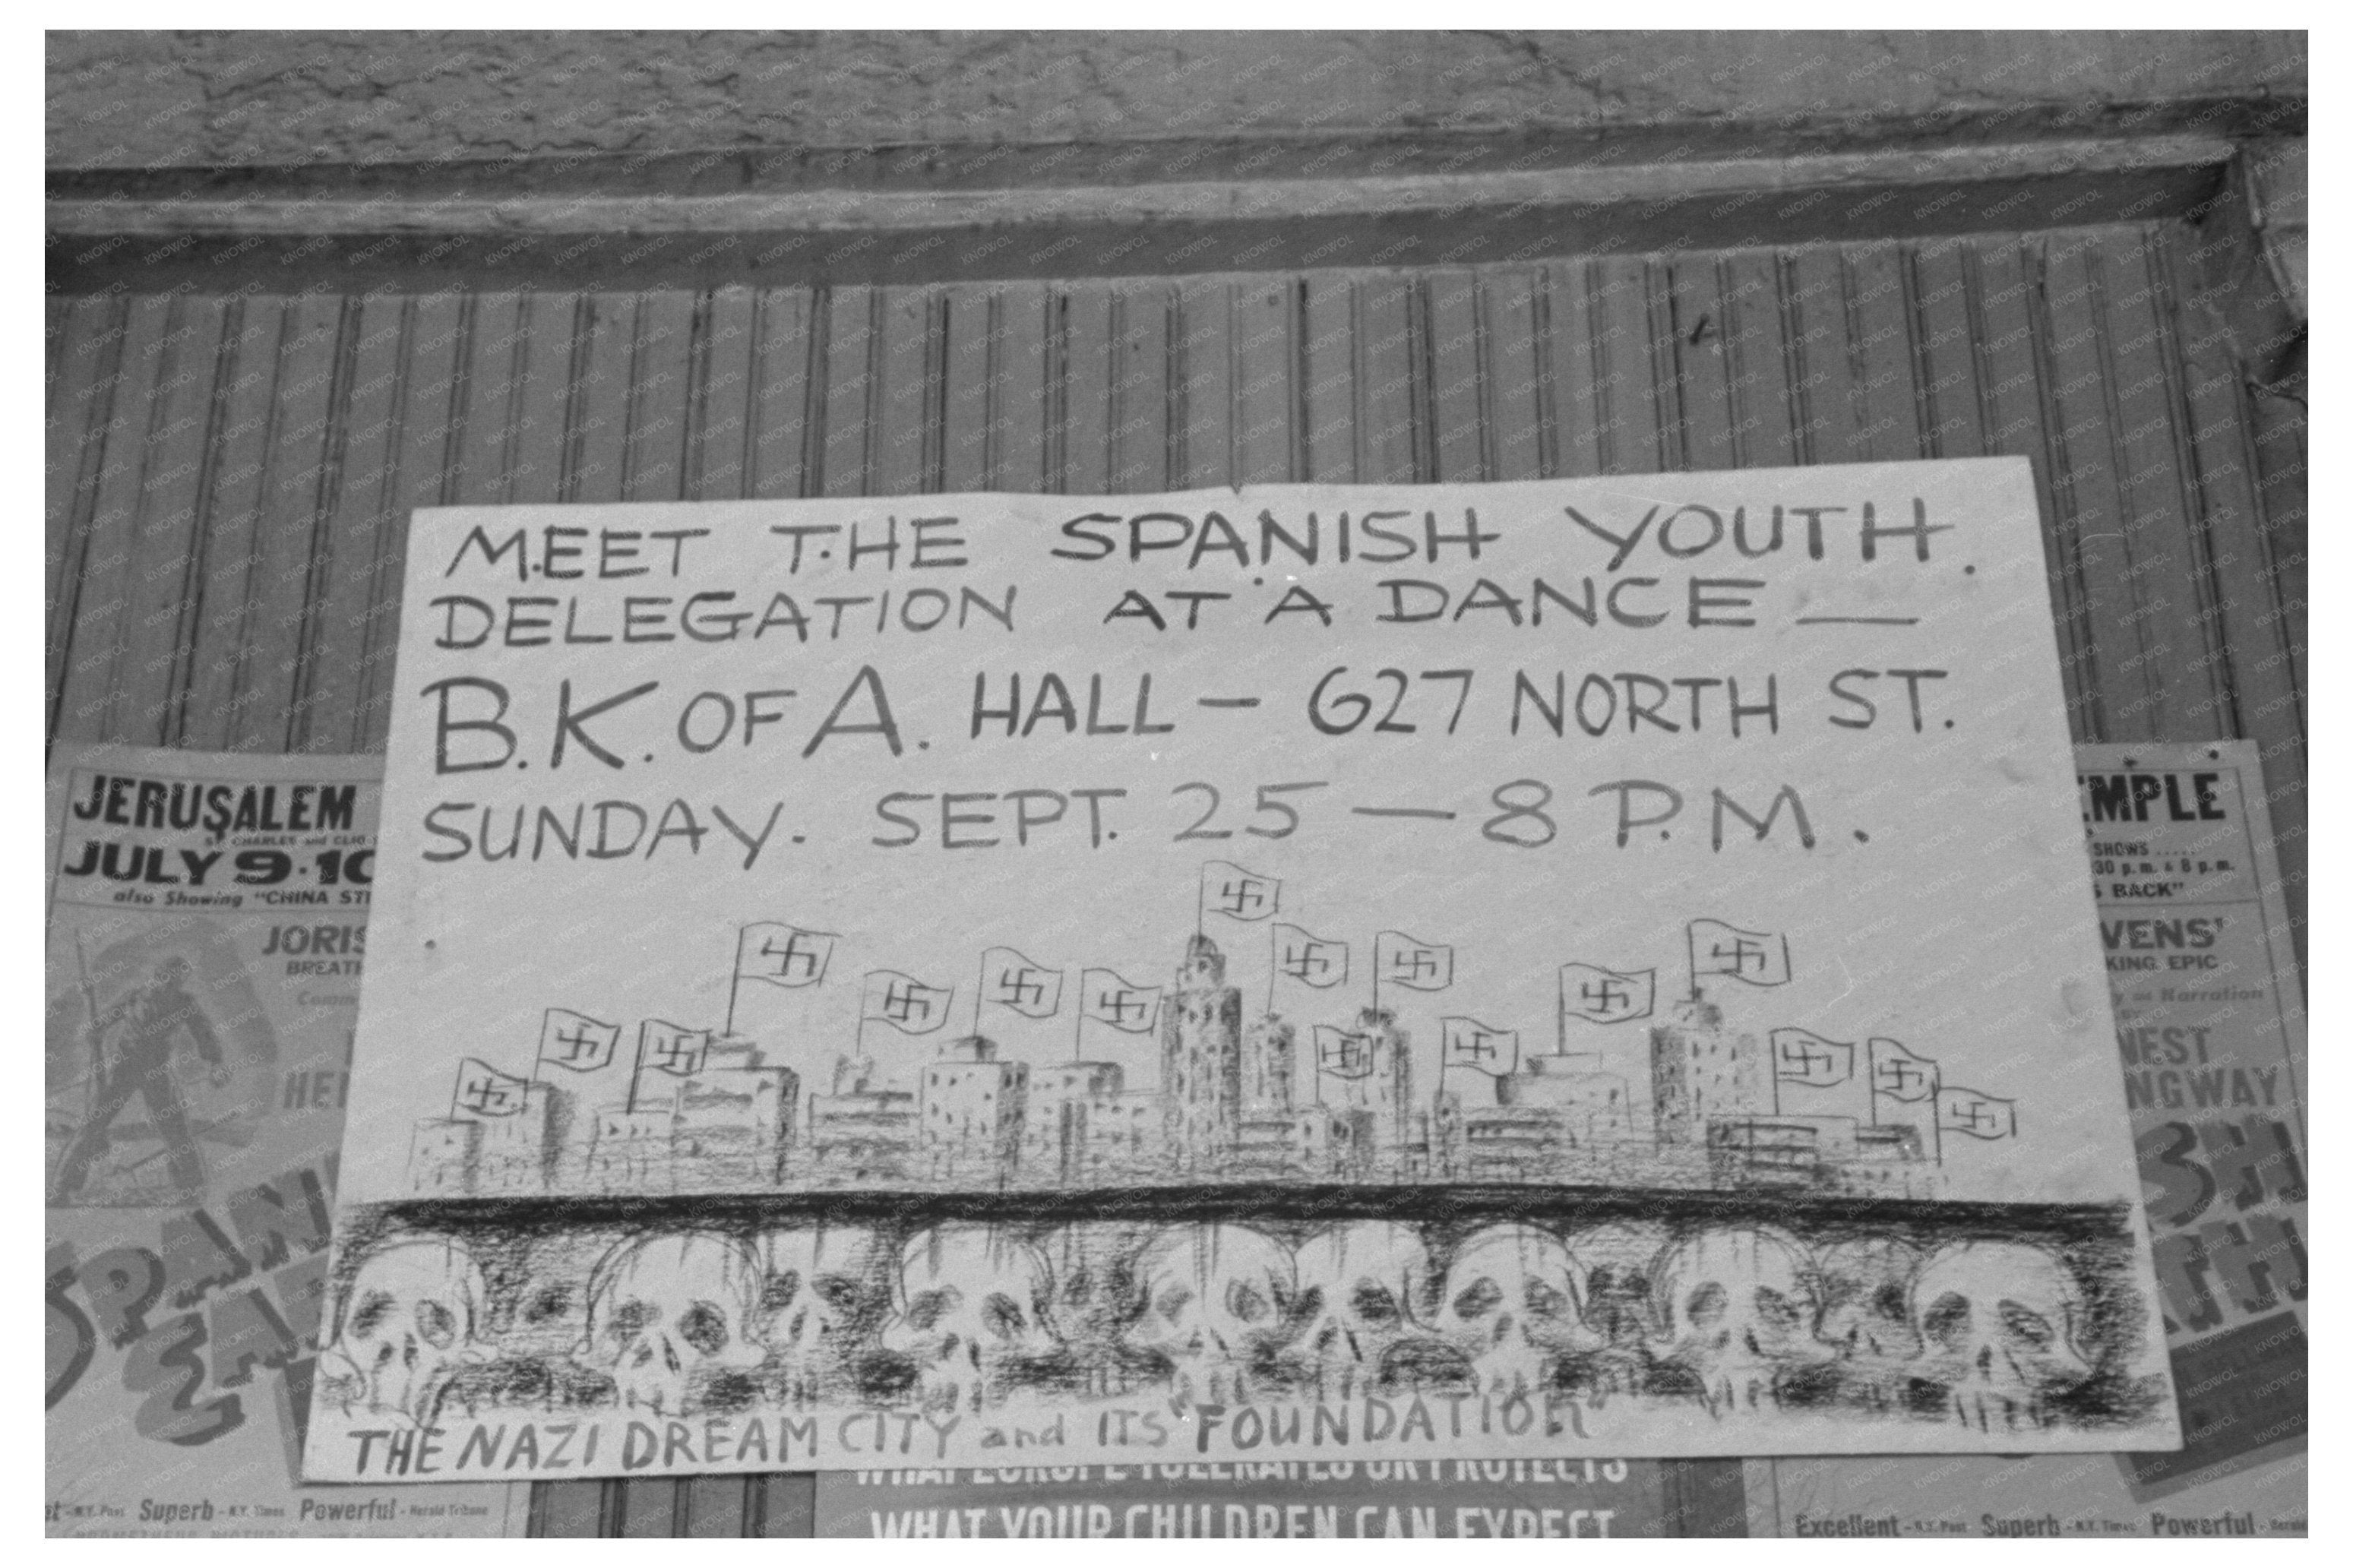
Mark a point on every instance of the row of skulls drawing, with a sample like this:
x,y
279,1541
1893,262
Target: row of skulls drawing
x,y
1992,1333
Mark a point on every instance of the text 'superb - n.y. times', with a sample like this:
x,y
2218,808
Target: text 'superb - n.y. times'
x,y
207,920
921,980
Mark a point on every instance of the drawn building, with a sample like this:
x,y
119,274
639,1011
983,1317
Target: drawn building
x,y
1201,1061
735,1117
630,1151
973,1109
1061,1117
864,1130
1385,1091
729,1122
1314,1142
522,1151
1268,1064
1510,1143
1700,1070
443,1155
1595,1106
1811,1152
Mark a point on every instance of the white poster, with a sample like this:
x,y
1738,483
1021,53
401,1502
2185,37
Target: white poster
x,y
1189,975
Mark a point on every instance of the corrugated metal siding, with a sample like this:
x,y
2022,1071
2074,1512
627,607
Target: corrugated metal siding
x,y
228,476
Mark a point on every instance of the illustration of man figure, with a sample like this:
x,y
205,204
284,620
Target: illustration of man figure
x,y
152,1017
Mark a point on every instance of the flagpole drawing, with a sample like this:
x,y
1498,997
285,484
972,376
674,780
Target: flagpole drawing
x,y
1273,964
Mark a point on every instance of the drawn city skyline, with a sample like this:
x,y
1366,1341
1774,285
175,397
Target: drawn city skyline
x,y
1314,1087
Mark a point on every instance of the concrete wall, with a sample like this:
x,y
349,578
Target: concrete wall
x,y
123,100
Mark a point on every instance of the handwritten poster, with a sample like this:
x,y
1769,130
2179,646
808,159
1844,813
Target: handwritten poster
x,y
1506,970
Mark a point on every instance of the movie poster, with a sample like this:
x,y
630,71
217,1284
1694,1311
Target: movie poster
x,y
207,921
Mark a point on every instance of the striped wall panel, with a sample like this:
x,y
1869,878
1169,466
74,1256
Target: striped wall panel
x,y
228,476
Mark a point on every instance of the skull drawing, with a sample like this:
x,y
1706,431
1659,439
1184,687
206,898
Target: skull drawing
x,y
540,1316
413,1319
672,1317
1217,1301
1510,1304
1099,1297
1614,1264
1866,1298
2001,1323
969,1313
1737,1312
1361,1284
822,1295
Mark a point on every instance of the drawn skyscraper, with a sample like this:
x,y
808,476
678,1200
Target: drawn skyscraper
x,y
1201,1059
1699,1069
1384,1092
972,1109
1268,1064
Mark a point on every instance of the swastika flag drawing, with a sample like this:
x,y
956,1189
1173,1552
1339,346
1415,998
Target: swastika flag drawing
x,y
1896,1073
1309,960
1343,1053
1479,1047
1399,960
1602,995
783,954
904,1003
483,1090
1238,894
1010,980
575,1040
1800,1056
1974,1114
1107,999
671,1047
1757,957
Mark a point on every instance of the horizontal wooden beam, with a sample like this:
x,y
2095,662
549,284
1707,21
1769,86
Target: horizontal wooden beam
x,y
822,210
449,231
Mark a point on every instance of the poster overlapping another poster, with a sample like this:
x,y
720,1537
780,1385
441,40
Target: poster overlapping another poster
x,y
208,920
2211,1033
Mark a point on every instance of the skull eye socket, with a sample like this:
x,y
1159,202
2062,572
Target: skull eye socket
x,y
779,1292
1707,1305
2026,1324
1946,1319
438,1323
1543,1301
1483,1296
1375,1303
630,1317
374,1308
1173,1301
552,1303
930,1306
1777,1309
704,1327
1243,1301
1001,1315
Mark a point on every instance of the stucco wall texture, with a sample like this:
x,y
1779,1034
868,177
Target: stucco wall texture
x,y
127,100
